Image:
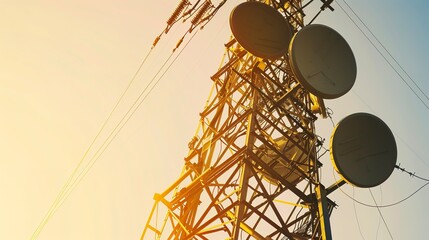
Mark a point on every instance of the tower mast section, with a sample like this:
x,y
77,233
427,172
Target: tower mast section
x,y
251,171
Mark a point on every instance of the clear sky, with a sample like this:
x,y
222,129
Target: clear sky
x,y
64,65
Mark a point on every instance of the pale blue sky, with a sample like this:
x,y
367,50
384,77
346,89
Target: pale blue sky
x,y
64,64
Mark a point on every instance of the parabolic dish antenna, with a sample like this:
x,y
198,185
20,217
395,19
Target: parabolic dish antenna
x,y
288,170
260,30
363,150
322,61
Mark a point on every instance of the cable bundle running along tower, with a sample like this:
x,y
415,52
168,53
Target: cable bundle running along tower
x,y
252,170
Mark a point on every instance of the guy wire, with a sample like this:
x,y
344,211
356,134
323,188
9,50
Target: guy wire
x,y
379,206
385,58
381,215
63,190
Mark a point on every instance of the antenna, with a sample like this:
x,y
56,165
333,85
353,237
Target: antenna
x,y
283,159
363,150
322,61
260,29
252,170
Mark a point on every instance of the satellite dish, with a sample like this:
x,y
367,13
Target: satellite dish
x,y
260,29
322,61
363,150
285,169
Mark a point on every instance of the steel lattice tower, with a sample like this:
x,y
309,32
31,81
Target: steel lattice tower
x,y
251,171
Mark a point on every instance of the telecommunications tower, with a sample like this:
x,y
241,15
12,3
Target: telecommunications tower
x,y
252,170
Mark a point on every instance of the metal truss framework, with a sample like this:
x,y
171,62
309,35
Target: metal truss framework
x,y
251,171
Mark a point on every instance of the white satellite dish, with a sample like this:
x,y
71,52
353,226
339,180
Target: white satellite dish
x,y
260,30
322,61
363,150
